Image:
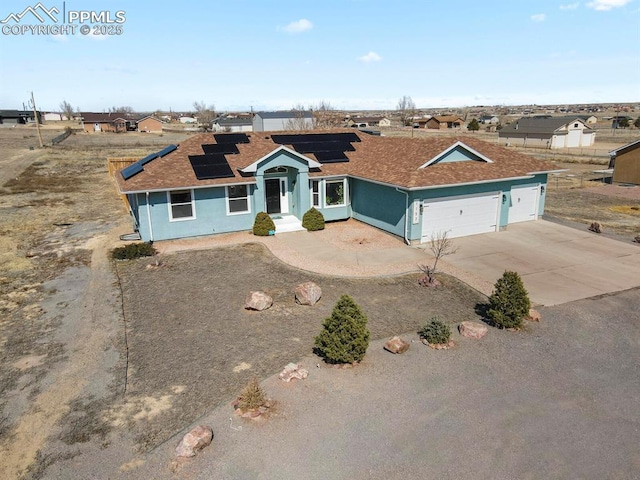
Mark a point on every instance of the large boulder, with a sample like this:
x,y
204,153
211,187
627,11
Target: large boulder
x,y
198,438
472,329
397,345
258,301
308,293
293,370
534,315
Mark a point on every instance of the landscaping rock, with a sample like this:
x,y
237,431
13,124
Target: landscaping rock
x,y
534,315
425,282
595,227
293,370
258,301
472,330
198,438
396,345
308,293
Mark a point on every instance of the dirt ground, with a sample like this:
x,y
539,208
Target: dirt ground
x,y
75,383
196,347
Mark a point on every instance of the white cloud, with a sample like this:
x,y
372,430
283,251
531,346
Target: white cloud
x,y
538,17
370,57
570,6
606,5
298,26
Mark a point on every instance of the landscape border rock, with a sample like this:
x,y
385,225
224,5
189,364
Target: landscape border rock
x,y
534,315
439,346
396,345
258,301
472,329
308,293
196,439
292,371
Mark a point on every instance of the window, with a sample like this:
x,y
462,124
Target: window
x,y
315,193
575,125
334,193
181,205
237,199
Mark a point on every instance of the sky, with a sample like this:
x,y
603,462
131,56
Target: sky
x,y
353,54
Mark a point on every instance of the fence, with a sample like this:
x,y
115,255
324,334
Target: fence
x,y
114,164
56,140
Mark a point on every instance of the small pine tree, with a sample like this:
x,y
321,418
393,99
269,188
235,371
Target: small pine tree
x,y
344,337
473,125
509,303
252,397
313,220
263,224
435,332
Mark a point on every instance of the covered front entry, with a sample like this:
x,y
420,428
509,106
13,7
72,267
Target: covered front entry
x,y
460,216
276,195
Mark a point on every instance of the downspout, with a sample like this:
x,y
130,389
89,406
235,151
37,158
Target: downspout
x,y
149,219
406,215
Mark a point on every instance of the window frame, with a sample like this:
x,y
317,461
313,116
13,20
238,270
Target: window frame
x,y
192,203
345,192
319,193
229,199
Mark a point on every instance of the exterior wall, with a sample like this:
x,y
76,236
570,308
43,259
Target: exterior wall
x,y
378,205
150,125
385,122
433,123
104,127
529,141
627,167
52,117
278,124
210,216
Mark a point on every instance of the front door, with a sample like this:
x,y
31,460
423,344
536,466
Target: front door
x,y
276,195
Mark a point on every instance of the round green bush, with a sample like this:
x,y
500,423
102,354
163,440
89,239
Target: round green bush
x,y
133,250
436,332
344,337
509,303
313,220
263,224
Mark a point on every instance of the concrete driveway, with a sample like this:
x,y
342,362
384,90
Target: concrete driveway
x,y
558,264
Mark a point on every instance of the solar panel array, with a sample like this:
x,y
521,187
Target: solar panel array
x,y
214,164
138,166
327,147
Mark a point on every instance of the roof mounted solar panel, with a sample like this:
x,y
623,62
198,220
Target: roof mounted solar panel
x,y
131,170
147,159
207,167
312,147
331,157
166,150
228,148
231,138
292,139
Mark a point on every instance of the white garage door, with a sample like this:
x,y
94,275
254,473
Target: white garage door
x,y
524,204
460,216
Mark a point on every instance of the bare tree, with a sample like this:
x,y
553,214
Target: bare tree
x,y
66,109
205,114
441,246
407,109
124,109
325,116
299,121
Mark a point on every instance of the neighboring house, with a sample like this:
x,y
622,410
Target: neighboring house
x,y
149,124
17,117
367,122
412,188
588,119
185,119
616,121
444,121
548,132
284,120
52,117
420,122
238,124
104,122
625,162
489,120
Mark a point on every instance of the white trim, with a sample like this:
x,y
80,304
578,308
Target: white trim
x,y
226,196
451,148
319,181
284,195
149,219
254,166
196,187
170,204
345,192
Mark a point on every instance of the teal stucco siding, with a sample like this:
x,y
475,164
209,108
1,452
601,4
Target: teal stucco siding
x,y
378,205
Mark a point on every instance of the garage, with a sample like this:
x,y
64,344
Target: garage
x,y
524,204
460,216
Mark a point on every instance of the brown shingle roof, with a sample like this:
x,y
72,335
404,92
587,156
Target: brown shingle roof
x,y
391,160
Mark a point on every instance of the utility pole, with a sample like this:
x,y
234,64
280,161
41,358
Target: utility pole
x,y
35,116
